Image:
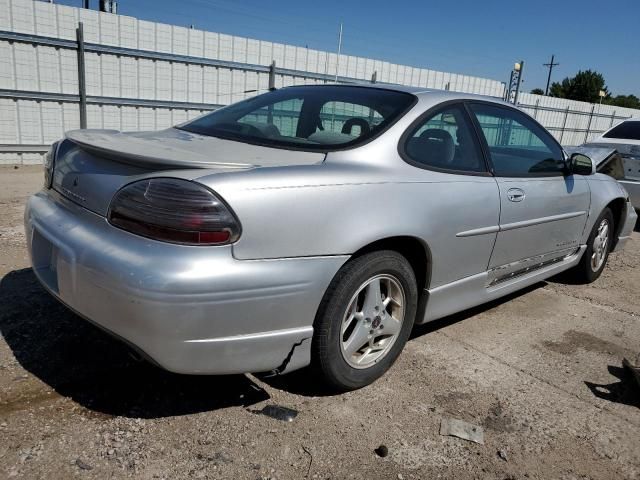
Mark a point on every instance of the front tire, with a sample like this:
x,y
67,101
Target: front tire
x,y
364,319
599,244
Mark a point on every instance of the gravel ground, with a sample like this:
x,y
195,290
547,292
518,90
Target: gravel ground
x,y
540,372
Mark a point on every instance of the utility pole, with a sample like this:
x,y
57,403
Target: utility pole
x,y
550,65
339,48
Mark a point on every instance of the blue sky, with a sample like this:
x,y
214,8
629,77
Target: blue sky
x,y
473,37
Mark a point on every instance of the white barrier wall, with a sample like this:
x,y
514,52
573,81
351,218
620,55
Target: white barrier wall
x,y
38,68
187,86
552,113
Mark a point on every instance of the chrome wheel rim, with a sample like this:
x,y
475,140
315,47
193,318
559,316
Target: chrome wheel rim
x,y
372,321
600,245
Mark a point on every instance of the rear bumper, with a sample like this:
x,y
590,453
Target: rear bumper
x,y
193,310
627,228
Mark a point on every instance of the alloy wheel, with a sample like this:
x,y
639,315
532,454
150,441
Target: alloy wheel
x,y
372,321
600,245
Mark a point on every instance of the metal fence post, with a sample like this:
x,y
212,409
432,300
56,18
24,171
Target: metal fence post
x,y
272,86
564,124
272,75
535,109
82,82
586,137
374,77
613,117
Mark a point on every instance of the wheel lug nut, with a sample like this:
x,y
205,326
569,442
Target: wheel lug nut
x,y
371,332
381,326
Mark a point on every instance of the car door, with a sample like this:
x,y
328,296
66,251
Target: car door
x,y
543,211
456,199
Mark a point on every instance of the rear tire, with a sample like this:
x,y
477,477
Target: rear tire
x,y
599,244
364,320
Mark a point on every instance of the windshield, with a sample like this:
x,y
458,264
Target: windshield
x,y
626,130
307,118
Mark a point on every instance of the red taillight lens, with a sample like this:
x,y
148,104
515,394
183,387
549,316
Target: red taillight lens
x,y
174,210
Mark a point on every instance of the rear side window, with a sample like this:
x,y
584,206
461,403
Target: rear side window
x,y
445,140
629,130
518,146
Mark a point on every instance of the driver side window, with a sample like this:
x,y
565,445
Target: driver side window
x,y
518,146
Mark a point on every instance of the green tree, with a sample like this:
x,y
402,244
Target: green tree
x,y
628,101
537,91
585,87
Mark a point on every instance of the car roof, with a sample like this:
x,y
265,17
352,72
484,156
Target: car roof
x,y
420,92
384,86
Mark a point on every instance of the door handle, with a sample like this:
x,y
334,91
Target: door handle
x,y
515,194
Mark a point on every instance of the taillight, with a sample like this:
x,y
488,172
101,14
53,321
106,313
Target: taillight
x,y
174,210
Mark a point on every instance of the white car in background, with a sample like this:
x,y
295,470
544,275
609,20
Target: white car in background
x,y
625,138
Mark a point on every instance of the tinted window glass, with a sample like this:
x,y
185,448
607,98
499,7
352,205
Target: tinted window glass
x,y
628,130
518,146
281,115
445,140
309,118
349,118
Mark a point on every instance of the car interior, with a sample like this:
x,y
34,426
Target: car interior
x,y
329,116
445,141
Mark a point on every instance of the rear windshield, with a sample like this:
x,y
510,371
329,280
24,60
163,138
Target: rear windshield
x,y
626,130
307,118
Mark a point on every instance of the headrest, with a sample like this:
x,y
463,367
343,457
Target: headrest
x,y
361,122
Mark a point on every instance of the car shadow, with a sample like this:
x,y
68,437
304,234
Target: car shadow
x,y
305,383
625,391
421,330
82,362
566,278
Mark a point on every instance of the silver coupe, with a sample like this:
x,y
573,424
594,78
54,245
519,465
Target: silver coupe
x,y
314,225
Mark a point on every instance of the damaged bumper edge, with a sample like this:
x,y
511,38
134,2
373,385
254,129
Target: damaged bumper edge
x,y
279,351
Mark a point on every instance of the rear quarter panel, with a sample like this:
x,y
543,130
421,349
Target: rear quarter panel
x,y
604,190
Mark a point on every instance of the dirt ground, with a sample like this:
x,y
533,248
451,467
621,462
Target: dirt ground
x,y
540,372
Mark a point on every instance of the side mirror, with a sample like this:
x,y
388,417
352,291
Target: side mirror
x,y
580,164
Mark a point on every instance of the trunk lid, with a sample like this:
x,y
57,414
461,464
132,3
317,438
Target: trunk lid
x,y
629,154
626,148
91,165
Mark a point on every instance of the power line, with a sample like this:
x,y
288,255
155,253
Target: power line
x,y
550,65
